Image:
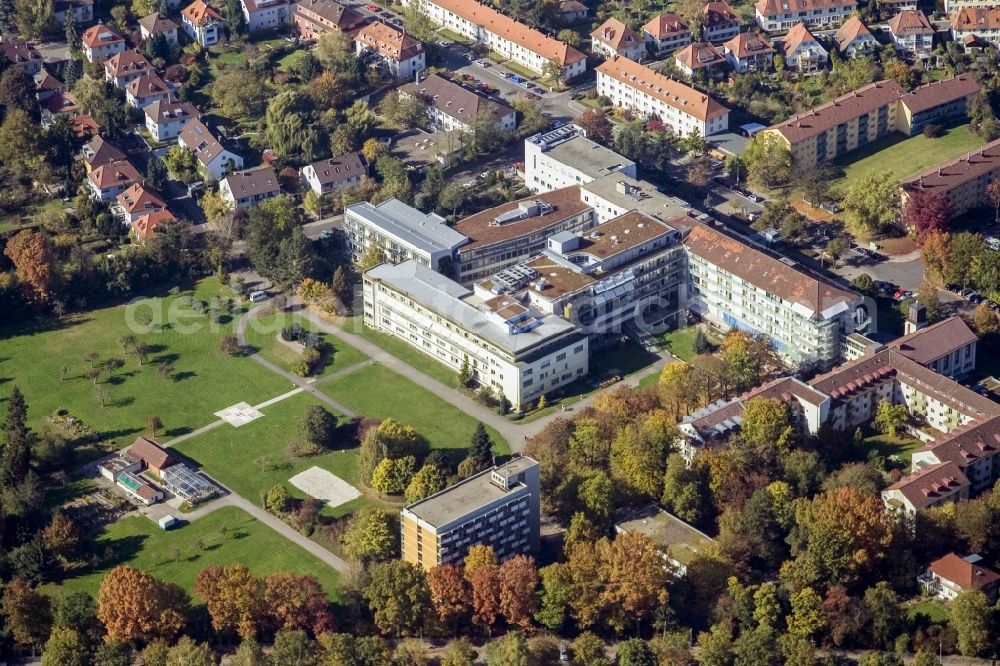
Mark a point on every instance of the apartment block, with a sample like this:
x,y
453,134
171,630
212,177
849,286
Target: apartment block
x,y
245,189
565,156
508,234
315,18
952,6
780,15
402,55
626,273
618,193
963,180
402,233
870,113
265,14
452,106
735,285
510,347
521,43
648,93
499,508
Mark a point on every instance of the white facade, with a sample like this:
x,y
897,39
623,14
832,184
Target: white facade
x,y
401,232
265,14
516,353
640,100
775,19
565,156
526,49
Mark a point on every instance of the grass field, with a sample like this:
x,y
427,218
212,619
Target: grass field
x,y
251,459
262,335
410,356
902,447
378,392
935,610
680,342
138,541
202,380
905,157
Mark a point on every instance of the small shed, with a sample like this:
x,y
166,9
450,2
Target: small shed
x,y
166,522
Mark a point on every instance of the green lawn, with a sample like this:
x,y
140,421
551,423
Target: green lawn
x,y
405,352
520,69
138,541
905,156
262,334
900,446
251,459
453,36
935,611
202,380
378,392
680,342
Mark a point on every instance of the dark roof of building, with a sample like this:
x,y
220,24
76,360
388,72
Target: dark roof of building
x,y
939,339
18,50
937,93
156,23
764,271
846,107
615,34
946,177
718,13
456,100
930,483
147,85
127,62
340,168
164,111
974,440
196,136
389,42
118,172
342,16
97,151
253,181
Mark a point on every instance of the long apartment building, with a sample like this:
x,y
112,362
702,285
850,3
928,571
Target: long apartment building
x,y
870,113
401,233
780,15
648,93
510,233
963,180
521,43
565,156
500,508
515,350
627,272
960,428
735,285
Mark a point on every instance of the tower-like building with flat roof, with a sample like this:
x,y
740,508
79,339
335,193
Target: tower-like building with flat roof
x,y
499,507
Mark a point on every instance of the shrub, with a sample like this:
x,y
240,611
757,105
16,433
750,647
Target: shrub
x,y
932,131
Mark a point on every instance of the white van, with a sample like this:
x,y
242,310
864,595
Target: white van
x,y
257,296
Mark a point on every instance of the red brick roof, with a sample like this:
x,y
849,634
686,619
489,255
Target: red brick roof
x,y
119,172
389,42
852,29
776,7
946,177
127,62
953,568
939,339
615,34
138,198
910,22
100,35
199,12
698,55
652,83
149,452
747,44
971,19
145,226
666,24
931,483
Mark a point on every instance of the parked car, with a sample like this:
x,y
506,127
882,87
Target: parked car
x,y
326,233
482,63
532,96
538,91
444,43
372,8
976,298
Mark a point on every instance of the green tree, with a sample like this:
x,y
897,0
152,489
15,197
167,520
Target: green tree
x,y
887,616
277,499
481,446
190,653
925,657
889,417
65,647
459,653
32,17
635,652
240,93
807,617
393,475
589,650
318,426
428,480
969,614
397,596
555,596
768,161
873,200
509,650
235,22
293,648
764,421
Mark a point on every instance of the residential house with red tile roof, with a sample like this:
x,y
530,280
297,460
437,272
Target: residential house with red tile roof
x,y
109,180
101,42
802,51
245,189
144,227
719,22
126,66
203,23
667,32
521,43
153,457
158,24
949,576
978,22
344,172
912,33
649,93
615,38
749,52
315,18
700,57
137,201
853,38
780,15
401,54
21,54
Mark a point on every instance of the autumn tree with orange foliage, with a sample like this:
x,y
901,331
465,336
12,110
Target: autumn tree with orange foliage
x,y
134,606
518,578
31,255
449,593
634,579
233,597
295,602
485,584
